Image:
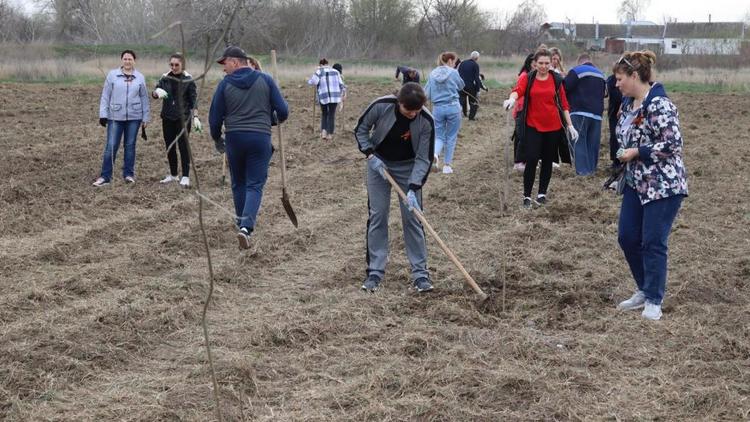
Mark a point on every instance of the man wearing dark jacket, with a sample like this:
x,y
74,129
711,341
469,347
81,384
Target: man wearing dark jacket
x,y
246,102
397,135
469,71
409,74
584,86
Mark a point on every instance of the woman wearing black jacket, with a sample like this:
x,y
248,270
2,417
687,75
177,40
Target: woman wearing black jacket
x,y
179,94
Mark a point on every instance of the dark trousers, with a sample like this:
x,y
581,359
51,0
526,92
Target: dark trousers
x,y
249,154
643,232
613,144
328,117
171,128
469,95
539,146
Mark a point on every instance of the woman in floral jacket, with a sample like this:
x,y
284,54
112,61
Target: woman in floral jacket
x,y
654,182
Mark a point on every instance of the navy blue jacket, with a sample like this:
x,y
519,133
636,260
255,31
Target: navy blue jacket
x,y
584,86
404,70
245,101
469,72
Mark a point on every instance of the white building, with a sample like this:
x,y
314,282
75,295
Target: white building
x,y
680,38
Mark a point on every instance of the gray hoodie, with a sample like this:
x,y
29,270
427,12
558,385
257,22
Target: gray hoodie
x,y
443,86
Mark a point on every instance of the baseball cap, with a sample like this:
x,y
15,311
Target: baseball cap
x,y
232,51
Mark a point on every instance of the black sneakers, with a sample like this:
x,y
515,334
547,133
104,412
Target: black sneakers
x,y
422,284
243,237
527,203
371,284
541,199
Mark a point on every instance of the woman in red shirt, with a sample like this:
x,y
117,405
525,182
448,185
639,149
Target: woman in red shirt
x,y
542,137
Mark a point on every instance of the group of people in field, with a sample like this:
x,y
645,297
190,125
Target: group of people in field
x,y
557,115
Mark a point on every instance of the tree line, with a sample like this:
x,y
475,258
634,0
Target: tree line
x,y
348,28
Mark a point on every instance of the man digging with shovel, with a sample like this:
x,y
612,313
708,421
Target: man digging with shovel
x,y
244,102
397,134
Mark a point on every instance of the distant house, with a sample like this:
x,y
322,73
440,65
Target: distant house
x,y
722,38
696,38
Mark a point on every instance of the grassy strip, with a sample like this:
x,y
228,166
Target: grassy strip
x,y
89,50
703,88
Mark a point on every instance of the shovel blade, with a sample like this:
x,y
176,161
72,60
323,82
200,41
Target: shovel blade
x,y
288,208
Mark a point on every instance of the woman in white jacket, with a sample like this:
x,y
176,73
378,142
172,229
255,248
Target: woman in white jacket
x,y
123,107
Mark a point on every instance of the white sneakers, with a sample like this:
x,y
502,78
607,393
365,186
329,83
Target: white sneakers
x,y
184,182
129,179
447,169
651,311
636,301
100,182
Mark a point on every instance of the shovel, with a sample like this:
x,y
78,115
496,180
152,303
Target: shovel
x,y
284,196
469,280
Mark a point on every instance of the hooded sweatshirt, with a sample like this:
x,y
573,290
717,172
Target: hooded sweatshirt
x,y
443,86
244,101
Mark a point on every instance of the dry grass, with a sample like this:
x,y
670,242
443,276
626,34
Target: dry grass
x,y
36,63
102,289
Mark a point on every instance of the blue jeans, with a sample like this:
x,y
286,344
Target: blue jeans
x,y
586,149
115,131
249,154
643,233
447,123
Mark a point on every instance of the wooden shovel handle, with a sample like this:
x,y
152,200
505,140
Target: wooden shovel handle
x,y
469,280
278,127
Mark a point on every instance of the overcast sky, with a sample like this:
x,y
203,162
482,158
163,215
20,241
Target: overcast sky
x,y
605,11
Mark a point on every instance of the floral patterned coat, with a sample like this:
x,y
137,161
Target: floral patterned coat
x,y
659,171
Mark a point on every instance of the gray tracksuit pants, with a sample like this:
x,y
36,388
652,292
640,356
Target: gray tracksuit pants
x,y
379,201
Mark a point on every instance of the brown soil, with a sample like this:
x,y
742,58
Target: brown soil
x,y
103,288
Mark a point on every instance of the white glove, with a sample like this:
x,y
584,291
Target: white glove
x,y
508,104
161,94
197,125
411,201
377,164
572,133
